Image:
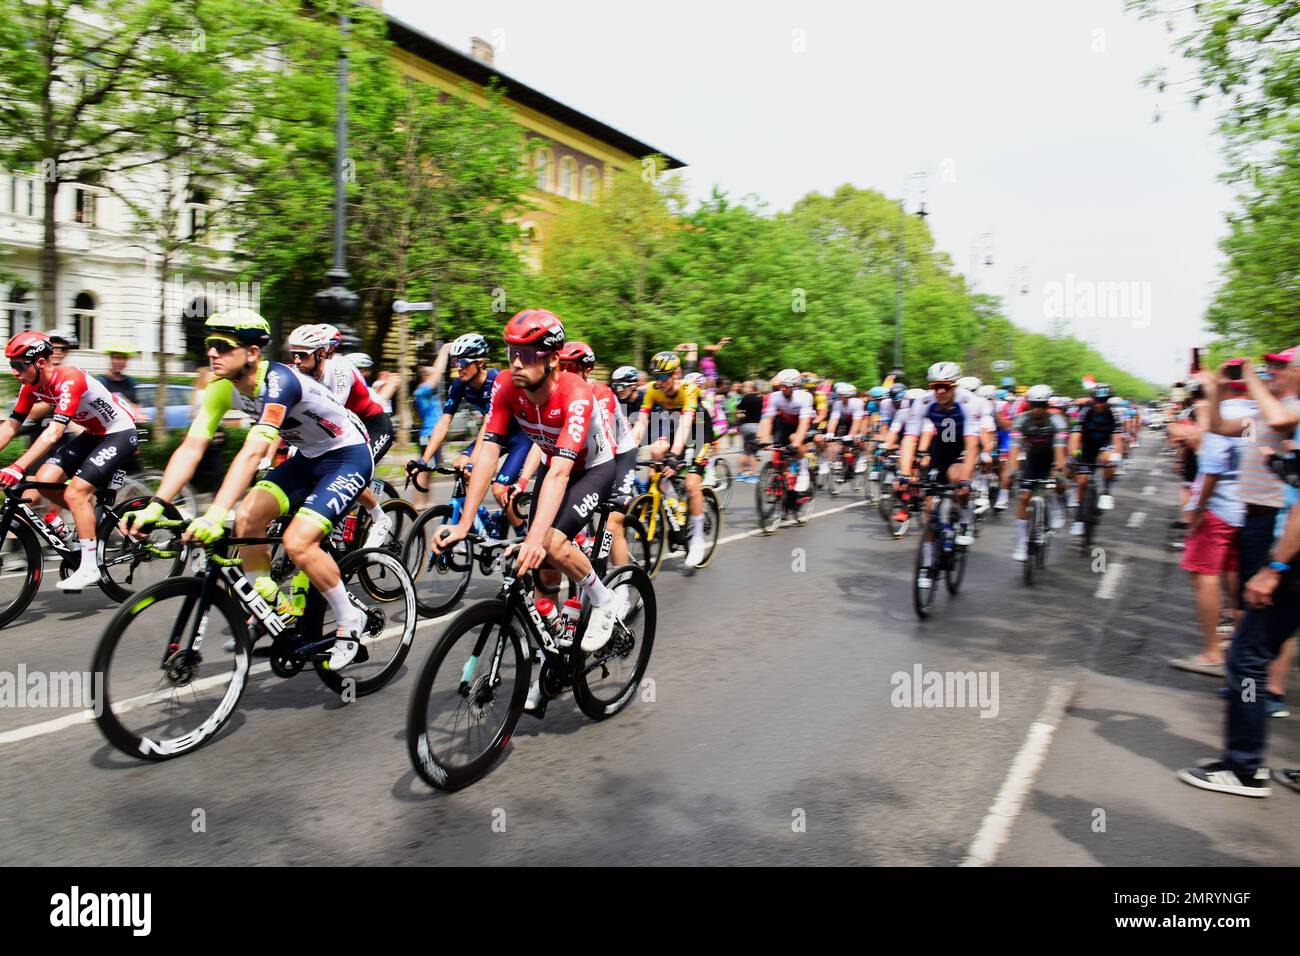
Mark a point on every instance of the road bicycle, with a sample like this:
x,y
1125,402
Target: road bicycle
x,y
775,494
163,682
938,555
470,692
720,480
125,563
665,521
1089,512
844,469
1039,531
441,579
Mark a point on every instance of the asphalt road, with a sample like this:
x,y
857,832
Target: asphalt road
x,y
773,735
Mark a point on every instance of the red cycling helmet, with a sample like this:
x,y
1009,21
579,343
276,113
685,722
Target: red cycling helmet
x,y
537,328
579,354
29,346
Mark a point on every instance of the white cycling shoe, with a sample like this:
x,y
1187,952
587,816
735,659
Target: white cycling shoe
x,y
1105,502
600,627
1021,553
380,532
695,553
86,576
343,653
1001,503
1076,529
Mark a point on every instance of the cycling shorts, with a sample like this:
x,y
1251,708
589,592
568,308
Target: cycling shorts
x,y
783,431
624,479
321,489
516,449
1037,467
1088,451
95,458
585,491
1004,442
380,429
943,455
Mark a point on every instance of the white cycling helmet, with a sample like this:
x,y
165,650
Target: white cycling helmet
x,y
1115,400
360,359
916,394
846,389
944,372
986,391
693,378
969,383
788,378
624,376
471,346
308,338
1039,394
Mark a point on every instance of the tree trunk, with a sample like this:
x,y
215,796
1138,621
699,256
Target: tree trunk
x,y
49,257
160,395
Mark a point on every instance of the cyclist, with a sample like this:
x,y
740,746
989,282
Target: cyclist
x,y
578,358
624,385
787,418
309,348
1042,434
1003,419
331,468
943,413
89,461
474,384
668,393
64,341
560,414
845,422
1095,439
971,386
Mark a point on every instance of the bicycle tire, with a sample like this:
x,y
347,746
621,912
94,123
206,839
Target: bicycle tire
x,y
356,564
923,598
638,547
427,763
654,526
33,557
188,590
416,553
713,534
724,483
402,514
769,496
955,569
620,645
1031,558
107,537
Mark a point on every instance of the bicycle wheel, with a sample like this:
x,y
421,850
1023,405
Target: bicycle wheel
x,y
127,565
468,697
440,580
712,525
995,489
923,597
402,515
803,502
21,567
955,567
390,622
1089,511
638,546
1035,537
164,686
185,500
724,484
769,495
886,500
604,682
654,528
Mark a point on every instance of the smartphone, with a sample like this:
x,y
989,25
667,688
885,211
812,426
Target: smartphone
x,y
1234,369
1196,360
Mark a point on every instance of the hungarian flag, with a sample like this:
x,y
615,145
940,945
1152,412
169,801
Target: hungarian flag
x,y
1089,382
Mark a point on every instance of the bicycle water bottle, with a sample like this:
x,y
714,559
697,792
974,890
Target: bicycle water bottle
x,y
55,522
572,611
546,607
349,529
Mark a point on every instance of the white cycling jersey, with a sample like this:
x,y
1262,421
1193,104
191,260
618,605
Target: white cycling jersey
x,y
791,410
927,412
853,408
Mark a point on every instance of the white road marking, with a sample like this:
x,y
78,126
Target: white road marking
x,y
997,823
788,523
1136,519
1110,582
1149,490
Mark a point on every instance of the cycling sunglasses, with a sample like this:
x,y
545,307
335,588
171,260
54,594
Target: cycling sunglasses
x,y
941,384
19,366
663,376
301,355
528,356
220,344
466,362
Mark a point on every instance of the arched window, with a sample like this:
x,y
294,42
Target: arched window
x,y
568,178
83,319
19,311
589,184
542,168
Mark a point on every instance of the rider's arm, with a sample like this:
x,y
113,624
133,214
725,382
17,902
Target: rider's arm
x,y
182,465
257,445
972,443
797,438
683,431
531,464
8,429
69,398
638,430
486,455
438,437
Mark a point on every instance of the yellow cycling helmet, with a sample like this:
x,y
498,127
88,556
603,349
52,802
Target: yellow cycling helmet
x,y
665,363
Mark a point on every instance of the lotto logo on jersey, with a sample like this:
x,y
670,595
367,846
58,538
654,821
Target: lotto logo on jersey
x,y
577,413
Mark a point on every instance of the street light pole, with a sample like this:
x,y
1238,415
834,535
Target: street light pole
x,y
338,303
898,270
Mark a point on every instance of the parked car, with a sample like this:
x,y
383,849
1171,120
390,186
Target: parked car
x,y
178,403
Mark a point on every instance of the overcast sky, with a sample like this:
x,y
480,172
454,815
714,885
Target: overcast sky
x,y
1029,118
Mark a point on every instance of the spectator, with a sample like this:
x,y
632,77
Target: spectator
x,y
1272,618
708,366
117,381
749,412
1215,514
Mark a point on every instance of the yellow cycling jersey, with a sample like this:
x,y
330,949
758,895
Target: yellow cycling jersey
x,y
687,398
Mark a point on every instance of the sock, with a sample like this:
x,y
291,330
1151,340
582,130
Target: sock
x,y
927,553
376,513
345,615
1022,530
697,527
87,550
597,593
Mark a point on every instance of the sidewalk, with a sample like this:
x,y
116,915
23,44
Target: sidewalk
x,y
1135,720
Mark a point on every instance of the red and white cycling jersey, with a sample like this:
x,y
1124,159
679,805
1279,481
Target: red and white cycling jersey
x,y
790,410
570,424
624,439
76,397
347,385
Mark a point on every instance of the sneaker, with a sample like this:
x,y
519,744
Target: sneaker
x,y
380,532
86,576
600,627
1001,503
1076,529
695,552
1105,502
1220,777
1021,553
1275,705
1288,777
